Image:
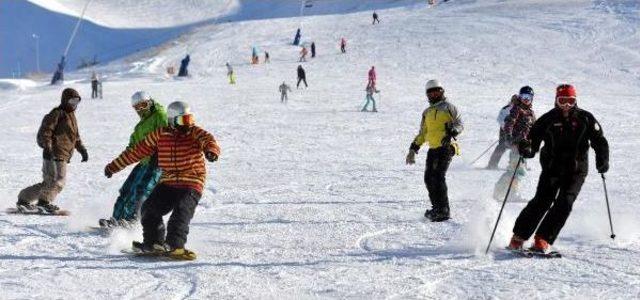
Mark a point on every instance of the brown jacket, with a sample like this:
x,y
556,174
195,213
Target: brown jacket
x,y
59,134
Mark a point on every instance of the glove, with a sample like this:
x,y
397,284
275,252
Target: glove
x,y
47,153
446,140
210,156
84,154
411,157
107,172
524,147
451,131
602,166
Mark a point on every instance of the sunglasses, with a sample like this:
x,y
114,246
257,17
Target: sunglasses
x,y
567,101
144,105
74,100
184,120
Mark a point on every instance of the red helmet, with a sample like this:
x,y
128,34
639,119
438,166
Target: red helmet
x,y
565,90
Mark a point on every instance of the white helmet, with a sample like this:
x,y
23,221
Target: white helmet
x,y
139,96
433,83
177,109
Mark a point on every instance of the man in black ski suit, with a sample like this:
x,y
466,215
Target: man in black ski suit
x,y
302,76
567,131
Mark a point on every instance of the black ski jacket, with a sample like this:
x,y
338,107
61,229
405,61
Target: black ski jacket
x,y
566,141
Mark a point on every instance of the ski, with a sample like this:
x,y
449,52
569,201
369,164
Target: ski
x,y
528,253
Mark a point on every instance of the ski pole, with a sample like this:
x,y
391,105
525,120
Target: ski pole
x,y
503,203
485,152
606,197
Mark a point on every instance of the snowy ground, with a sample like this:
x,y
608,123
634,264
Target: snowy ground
x,y
312,199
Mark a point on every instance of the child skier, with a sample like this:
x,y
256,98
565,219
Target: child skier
x,y
516,128
370,90
284,87
145,175
58,136
440,124
502,146
179,148
567,131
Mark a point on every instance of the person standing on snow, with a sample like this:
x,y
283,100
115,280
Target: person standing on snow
x,y
516,128
94,85
302,76
372,77
313,49
181,149
502,146
266,57
440,124
296,39
375,18
58,136
303,54
145,175
343,45
184,65
567,131
370,90
230,74
284,87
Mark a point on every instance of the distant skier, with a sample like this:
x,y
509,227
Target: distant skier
x,y
440,124
284,87
144,177
296,39
94,85
372,77
266,57
58,136
303,54
567,131
343,45
503,145
370,90
375,18
302,76
230,74
184,64
516,128
313,49
254,56
181,149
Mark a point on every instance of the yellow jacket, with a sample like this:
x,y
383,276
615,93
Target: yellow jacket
x,y
432,127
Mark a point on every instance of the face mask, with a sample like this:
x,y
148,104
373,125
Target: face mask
x,y
72,103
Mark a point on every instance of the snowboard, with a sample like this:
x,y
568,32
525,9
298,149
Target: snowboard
x,y
136,250
528,253
17,211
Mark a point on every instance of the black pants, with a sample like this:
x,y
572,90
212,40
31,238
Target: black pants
x,y
342,48
554,196
302,79
163,200
438,161
94,89
502,147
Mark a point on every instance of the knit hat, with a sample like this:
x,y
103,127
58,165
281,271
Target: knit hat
x,y
565,90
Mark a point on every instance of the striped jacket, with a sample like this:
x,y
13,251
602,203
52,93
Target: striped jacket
x,y
180,156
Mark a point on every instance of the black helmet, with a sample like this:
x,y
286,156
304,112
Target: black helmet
x,y
526,90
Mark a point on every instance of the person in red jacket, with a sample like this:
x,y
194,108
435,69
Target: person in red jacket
x,y
372,77
180,150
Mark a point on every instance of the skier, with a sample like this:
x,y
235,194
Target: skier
x,y
302,76
58,136
184,64
145,175
254,56
516,128
372,77
94,85
284,87
296,39
502,146
179,148
440,124
375,18
370,90
231,74
343,45
303,54
567,131
313,49
266,57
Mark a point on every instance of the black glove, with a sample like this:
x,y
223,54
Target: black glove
x,y
524,147
210,156
602,166
47,153
84,154
107,172
451,131
446,140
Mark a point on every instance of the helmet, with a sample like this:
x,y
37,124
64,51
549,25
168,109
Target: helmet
x,y
179,114
432,84
566,90
526,90
139,96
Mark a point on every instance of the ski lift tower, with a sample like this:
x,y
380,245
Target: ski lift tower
x,y
58,75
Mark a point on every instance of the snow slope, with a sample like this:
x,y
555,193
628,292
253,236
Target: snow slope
x,y
312,199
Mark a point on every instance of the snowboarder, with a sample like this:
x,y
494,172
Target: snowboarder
x,y
296,39
303,54
184,64
440,124
266,57
58,136
372,77
370,90
567,131
313,49
230,74
502,146
343,45
302,76
145,175
94,85
179,148
516,128
375,18
284,87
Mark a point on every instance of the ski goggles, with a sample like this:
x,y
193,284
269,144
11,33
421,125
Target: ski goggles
x,y
142,105
184,120
566,101
526,97
74,101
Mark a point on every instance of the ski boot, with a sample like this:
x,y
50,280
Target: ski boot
x,y
26,207
47,208
149,249
516,243
540,245
437,215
